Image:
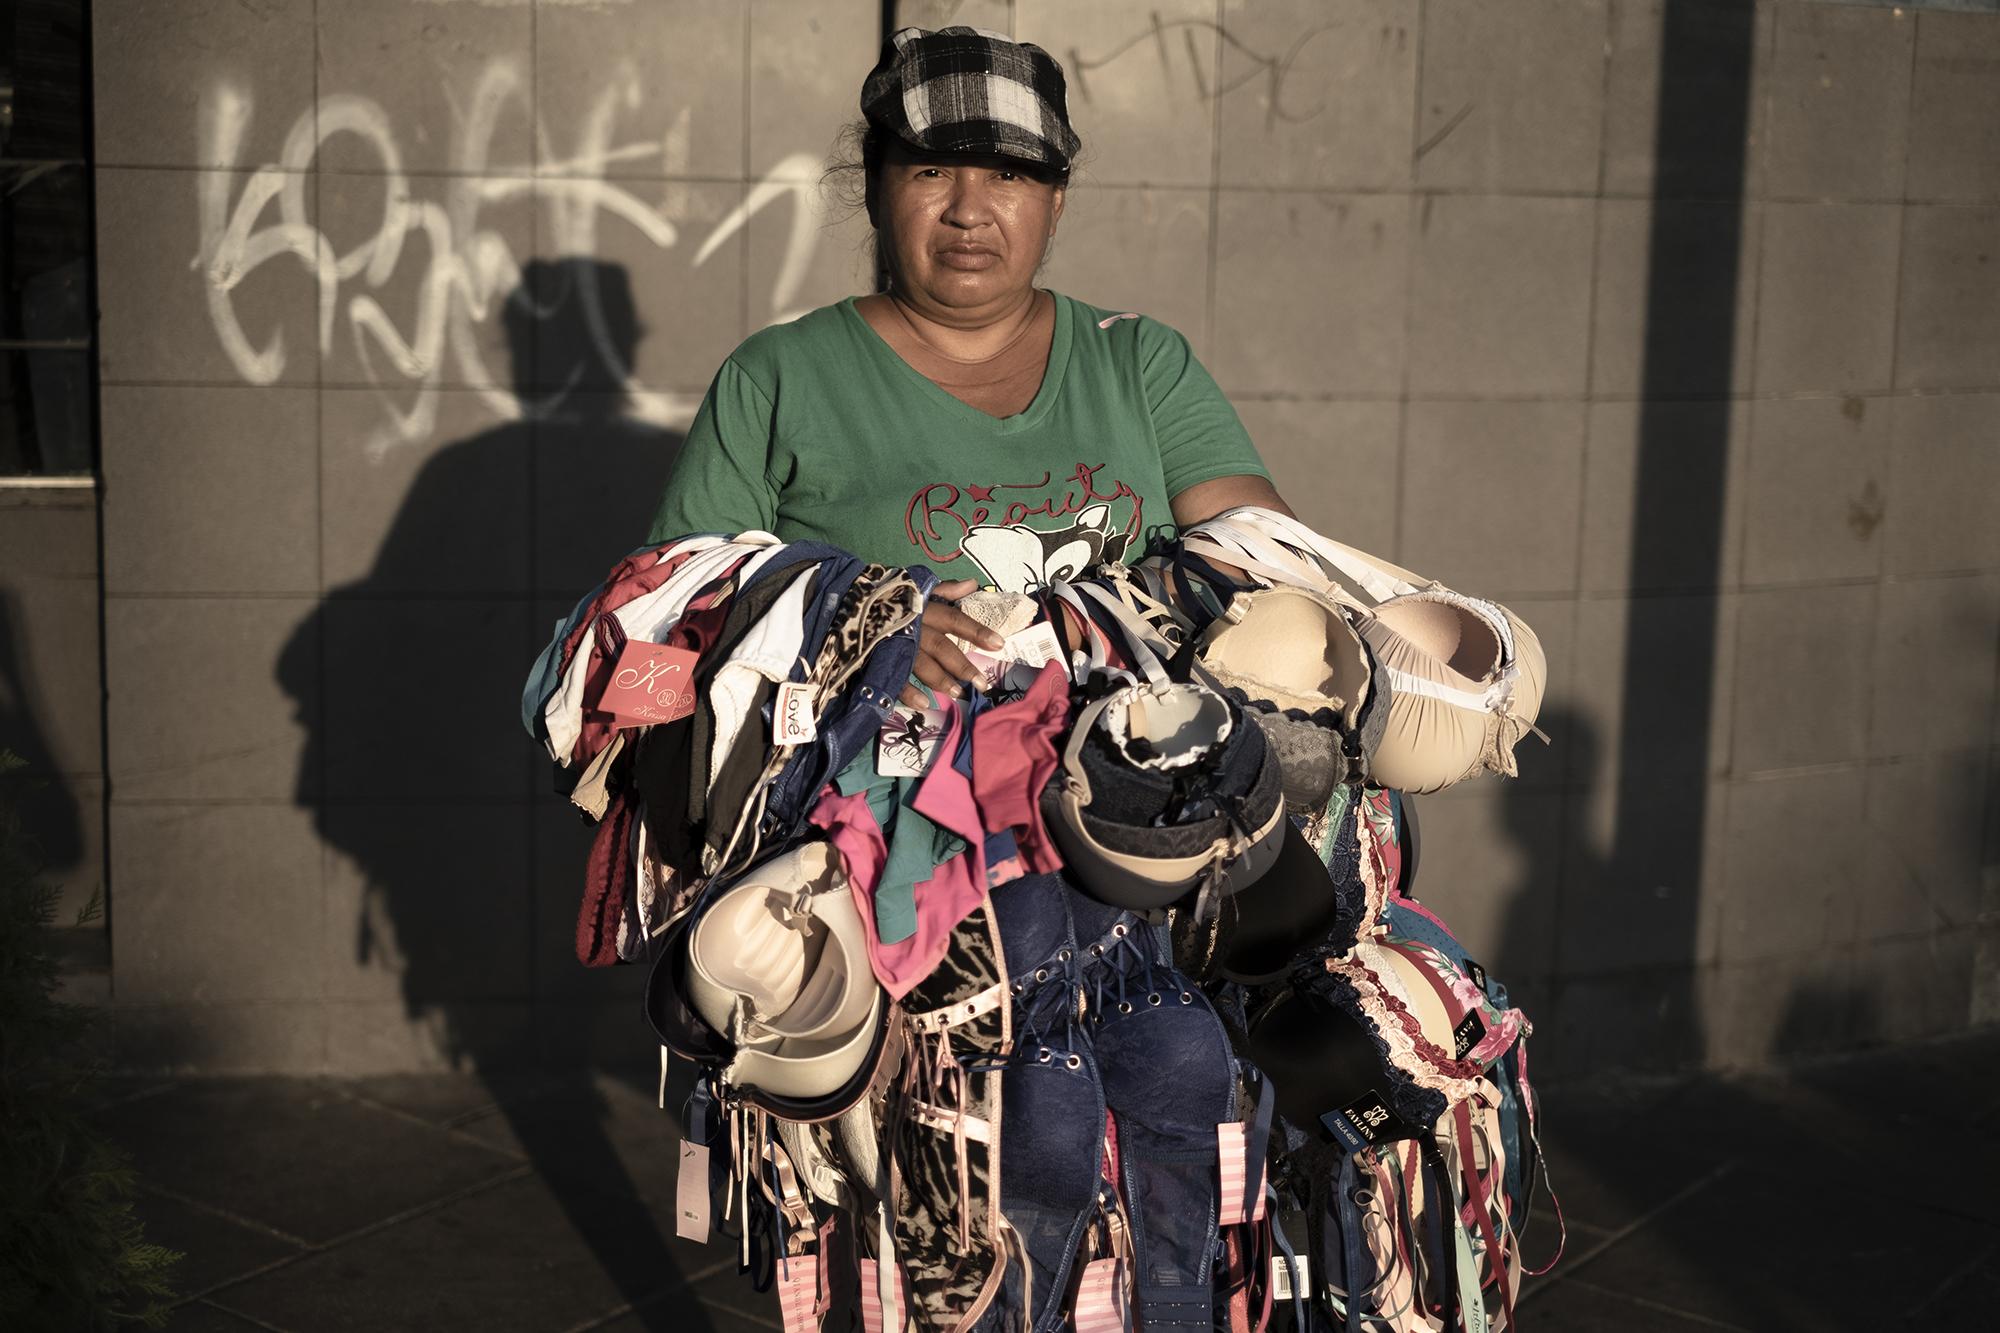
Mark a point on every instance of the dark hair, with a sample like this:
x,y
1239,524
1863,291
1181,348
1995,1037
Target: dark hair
x,y
850,168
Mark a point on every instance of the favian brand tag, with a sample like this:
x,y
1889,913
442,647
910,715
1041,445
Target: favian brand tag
x,y
1360,1123
1017,661
1101,1303
1470,1031
651,683
792,721
1232,1143
691,1194
1283,1286
908,739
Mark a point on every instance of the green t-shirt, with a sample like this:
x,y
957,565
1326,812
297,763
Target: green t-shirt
x,y
818,430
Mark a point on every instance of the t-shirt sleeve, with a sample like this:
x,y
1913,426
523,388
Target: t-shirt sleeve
x,y
1201,437
721,481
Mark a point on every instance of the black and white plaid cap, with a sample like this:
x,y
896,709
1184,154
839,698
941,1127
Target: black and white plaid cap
x,y
967,90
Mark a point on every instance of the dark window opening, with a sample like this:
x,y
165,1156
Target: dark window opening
x,y
47,335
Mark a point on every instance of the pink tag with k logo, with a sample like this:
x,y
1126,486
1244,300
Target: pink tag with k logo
x,y
651,683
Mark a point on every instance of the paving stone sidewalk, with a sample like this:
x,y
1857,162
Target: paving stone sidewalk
x,y
1859,1193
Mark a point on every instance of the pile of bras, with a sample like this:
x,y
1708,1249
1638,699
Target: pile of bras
x,y
1097,999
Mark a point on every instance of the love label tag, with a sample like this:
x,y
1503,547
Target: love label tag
x,y
650,683
1233,1148
908,739
1017,661
691,1194
792,721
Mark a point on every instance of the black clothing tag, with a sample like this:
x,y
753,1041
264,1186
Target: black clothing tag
x,y
1468,1034
1360,1123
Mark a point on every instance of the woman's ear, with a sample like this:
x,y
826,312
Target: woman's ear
x,y
1055,210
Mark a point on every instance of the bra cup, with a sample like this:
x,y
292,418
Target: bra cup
x,y
1455,635
1404,977
1291,647
840,993
1427,744
1175,727
819,1000
1400,654
1532,672
741,945
808,1067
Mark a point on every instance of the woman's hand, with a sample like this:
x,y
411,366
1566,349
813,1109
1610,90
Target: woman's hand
x,y
941,664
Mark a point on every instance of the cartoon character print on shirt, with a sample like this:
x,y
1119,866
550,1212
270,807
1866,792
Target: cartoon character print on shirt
x,y
1026,534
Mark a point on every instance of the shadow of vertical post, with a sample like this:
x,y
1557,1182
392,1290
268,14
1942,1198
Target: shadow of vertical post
x,y
1706,50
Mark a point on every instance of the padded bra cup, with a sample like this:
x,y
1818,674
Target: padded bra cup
x,y
1293,648
743,946
820,999
1451,635
1430,742
1179,725
1403,977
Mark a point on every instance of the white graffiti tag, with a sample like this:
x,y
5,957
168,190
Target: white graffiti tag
x,y
471,267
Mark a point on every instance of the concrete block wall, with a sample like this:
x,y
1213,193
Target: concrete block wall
x,y
403,304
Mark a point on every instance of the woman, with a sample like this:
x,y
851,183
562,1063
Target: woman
x,y
963,418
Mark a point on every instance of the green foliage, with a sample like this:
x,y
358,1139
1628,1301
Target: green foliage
x,y
72,1254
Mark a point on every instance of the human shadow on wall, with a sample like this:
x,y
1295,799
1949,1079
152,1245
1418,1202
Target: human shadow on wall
x,y
1623,988
47,808
1695,253
417,771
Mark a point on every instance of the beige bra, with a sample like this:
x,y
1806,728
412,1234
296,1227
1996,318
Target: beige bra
x,y
779,965
1465,676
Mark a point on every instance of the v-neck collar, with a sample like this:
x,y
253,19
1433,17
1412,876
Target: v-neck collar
x,y
1051,386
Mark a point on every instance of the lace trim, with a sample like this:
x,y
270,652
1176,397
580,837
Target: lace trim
x,y
1327,719
1374,874
1401,1037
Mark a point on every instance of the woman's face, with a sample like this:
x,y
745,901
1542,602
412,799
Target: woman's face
x,y
963,236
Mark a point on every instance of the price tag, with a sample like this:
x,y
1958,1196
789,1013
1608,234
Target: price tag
x,y
1233,1148
1363,1122
1102,1305
651,683
691,1194
799,1303
1018,660
908,740
792,721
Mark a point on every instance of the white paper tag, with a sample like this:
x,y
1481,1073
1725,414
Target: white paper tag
x,y
1018,660
907,741
691,1195
792,719
1281,1277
